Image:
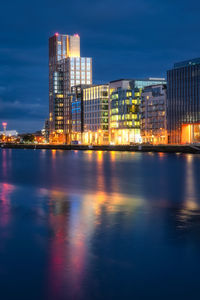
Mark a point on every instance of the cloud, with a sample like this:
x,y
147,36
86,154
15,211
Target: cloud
x,y
17,114
130,38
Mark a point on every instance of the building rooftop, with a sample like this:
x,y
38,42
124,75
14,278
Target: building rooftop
x,y
140,79
95,85
186,63
121,79
154,86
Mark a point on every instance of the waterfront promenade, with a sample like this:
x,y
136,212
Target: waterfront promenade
x,y
133,148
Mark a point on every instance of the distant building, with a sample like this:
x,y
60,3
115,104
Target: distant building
x,y
39,137
124,109
9,133
66,69
183,102
95,114
153,115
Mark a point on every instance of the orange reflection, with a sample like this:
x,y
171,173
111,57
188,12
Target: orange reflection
x,y
99,156
100,171
113,156
89,155
53,152
161,155
73,219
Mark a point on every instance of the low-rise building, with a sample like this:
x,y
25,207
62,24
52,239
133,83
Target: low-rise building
x,y
9,133
153,115
124,116
95,114
8,136
124,109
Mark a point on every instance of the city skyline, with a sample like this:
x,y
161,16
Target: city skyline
x,y
99,149
126,49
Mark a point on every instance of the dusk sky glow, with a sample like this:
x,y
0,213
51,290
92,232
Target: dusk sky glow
x,y
126,39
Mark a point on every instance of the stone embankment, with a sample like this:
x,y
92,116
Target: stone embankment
x,y
134,148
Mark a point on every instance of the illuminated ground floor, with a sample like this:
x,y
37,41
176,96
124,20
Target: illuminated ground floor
x,y
57,137
125,136
77,138
190,133
95,138
160,137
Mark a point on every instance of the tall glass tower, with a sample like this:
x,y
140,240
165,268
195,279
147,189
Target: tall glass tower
x,y
66,69
183,102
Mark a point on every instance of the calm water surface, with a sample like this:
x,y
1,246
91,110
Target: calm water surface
x,y
99,225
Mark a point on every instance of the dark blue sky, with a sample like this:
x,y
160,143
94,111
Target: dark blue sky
x,y
126,39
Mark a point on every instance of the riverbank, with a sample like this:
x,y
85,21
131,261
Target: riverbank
x,y
136,148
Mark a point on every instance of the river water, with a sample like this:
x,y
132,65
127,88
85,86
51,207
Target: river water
x,y
99,225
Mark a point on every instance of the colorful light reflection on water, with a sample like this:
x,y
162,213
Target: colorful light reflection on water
x,y
99,225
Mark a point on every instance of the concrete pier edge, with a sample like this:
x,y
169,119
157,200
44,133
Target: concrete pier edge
x,y
130,148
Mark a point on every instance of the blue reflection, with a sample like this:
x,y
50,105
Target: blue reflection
x,y
99,225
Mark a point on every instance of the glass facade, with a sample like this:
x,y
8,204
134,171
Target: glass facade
x,y
74,76
77,113
183,99
124,110
66,69
95,106
153,115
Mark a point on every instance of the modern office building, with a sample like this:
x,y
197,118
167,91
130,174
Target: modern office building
x,y
66,69
95,114
124,118
124,109
77,113
79,72
153,115
183,102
